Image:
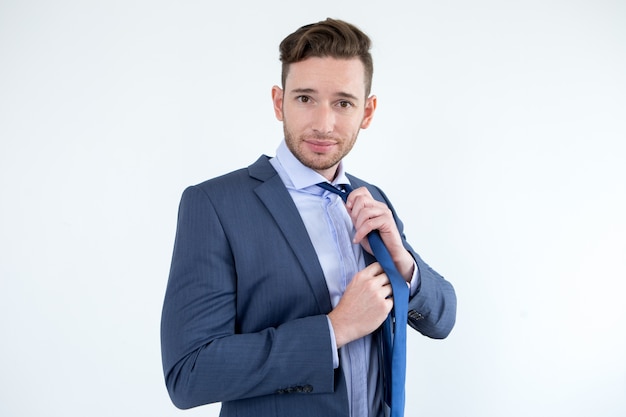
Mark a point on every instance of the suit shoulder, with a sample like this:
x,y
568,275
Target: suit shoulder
x,y
224,180
234,181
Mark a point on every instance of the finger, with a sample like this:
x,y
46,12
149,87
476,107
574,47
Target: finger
x,y
379,223
367,209
380,282
373,219
375,269
388,291
356,195
358,203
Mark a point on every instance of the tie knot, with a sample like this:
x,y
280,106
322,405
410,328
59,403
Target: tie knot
x,y
343,192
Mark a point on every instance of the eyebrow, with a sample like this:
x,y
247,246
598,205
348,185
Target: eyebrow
x,y
340,94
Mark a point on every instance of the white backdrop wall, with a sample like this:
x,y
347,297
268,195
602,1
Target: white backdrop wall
x,y
500,137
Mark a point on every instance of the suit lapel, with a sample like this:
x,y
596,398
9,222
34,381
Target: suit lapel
x,y
279,203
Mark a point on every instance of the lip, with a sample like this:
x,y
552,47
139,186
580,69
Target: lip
x,y
320,146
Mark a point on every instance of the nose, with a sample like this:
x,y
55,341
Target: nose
x,y
323,119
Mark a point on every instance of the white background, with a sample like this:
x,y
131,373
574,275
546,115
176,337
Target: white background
x,y
500,138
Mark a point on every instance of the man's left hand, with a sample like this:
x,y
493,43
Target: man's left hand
x,y
368,214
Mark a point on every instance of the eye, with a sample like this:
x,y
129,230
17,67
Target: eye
x,y
344,104
303,99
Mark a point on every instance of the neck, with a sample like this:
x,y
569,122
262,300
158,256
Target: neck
x,y
330,173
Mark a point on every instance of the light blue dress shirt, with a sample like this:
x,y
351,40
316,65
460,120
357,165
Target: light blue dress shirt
x,y
313,204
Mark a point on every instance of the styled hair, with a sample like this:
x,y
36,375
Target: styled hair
x,y
329,38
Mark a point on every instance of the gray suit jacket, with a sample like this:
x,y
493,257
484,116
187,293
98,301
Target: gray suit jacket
x,y
244,317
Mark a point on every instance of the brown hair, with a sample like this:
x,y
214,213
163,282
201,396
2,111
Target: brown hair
x,y
328,38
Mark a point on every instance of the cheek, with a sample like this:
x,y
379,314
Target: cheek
x,y
349,126
297,120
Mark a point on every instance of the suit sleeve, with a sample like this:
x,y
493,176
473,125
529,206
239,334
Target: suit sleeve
x,y
432,310
205,358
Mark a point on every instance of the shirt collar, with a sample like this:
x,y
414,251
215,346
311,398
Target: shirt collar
x,y
302,176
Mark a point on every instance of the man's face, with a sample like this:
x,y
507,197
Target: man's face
x,y
322,109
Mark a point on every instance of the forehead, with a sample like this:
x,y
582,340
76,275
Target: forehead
x,y
328,75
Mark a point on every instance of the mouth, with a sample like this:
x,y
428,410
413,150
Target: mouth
x,y
319,145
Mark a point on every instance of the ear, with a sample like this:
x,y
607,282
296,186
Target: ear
x,y
277,99
370,108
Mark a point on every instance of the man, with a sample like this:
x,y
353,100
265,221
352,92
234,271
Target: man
x,y
274,301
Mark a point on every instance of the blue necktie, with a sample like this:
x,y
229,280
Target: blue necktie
x,y
394,337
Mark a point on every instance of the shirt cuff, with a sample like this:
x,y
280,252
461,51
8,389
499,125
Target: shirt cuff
x,y
333,344
416,280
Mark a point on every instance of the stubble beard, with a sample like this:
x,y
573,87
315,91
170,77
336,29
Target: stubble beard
x,y
317,162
